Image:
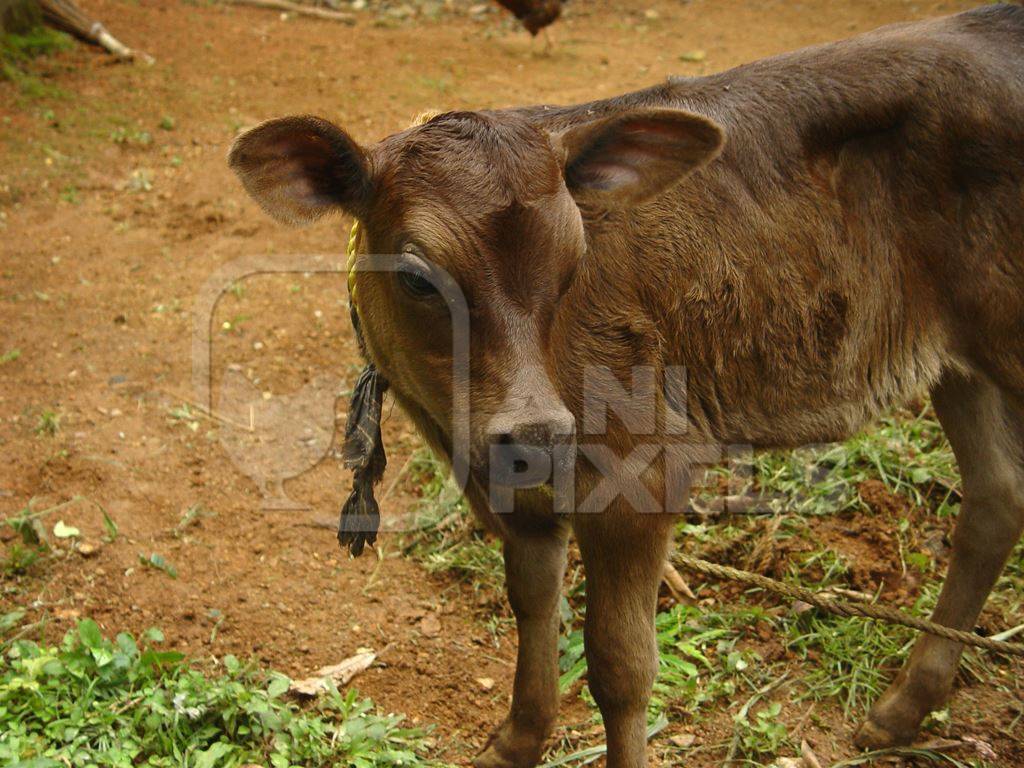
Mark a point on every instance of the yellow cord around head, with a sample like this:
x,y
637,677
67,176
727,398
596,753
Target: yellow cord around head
x,y
354,233
350,263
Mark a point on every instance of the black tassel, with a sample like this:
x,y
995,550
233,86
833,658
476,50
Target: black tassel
x,y
364,455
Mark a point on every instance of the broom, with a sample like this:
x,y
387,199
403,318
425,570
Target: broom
x,y
68,17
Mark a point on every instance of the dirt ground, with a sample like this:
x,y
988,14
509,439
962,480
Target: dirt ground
x,y
117,208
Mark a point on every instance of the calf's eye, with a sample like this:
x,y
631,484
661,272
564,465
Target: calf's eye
x,y
416,284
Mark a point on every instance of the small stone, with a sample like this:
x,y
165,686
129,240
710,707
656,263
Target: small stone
x,y
485,682
683,740
88,549
693,56
652,14
430,625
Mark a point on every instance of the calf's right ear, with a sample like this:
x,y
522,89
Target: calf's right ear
x,y
300,168
627,158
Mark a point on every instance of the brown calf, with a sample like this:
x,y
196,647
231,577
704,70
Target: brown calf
x,y
813,238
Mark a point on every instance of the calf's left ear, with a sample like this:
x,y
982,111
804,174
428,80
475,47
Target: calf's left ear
x,y
300,168
628,158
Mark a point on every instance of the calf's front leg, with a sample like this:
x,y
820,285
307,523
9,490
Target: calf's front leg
x,y
624,557
534,567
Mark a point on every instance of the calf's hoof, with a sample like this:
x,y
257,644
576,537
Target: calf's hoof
x,y
873,734
493,757
507,750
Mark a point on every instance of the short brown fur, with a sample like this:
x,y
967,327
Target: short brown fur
x,y
815,238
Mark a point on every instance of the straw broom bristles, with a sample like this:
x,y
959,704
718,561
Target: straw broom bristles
x,y
68,17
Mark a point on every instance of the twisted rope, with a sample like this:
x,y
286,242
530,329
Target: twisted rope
x,y
843,607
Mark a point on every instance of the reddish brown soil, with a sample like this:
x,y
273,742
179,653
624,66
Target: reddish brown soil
x,y
97,289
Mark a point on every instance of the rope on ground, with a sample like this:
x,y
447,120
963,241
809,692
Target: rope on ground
x,y
842,607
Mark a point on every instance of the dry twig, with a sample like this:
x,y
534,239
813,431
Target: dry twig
x,y
299,10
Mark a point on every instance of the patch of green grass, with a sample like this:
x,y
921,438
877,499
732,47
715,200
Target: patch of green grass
x,y
446,538
907,452
18,50
191,517
35,541
91,701
128,136
10,356
703,669
158,563
20,558
849,660
70,195
39,41
757,730
48,423
832,565
701,662
184,414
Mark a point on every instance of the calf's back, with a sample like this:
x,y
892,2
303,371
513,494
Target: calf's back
x,y
862,232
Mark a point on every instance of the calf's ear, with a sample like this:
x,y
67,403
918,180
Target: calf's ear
x,y
299,168
628,158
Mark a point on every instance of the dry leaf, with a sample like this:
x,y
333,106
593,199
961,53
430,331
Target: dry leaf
x,y
340,674
983,748
809,758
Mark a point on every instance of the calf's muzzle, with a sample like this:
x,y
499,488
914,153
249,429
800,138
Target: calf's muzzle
x,y
529,449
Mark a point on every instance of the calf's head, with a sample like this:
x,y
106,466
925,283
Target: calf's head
x,y
488,204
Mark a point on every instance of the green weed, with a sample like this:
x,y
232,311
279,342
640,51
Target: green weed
x,y
91,701
157,562
48,423
17,52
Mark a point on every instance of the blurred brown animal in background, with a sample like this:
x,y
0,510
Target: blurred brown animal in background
x,y
534,14
814,237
